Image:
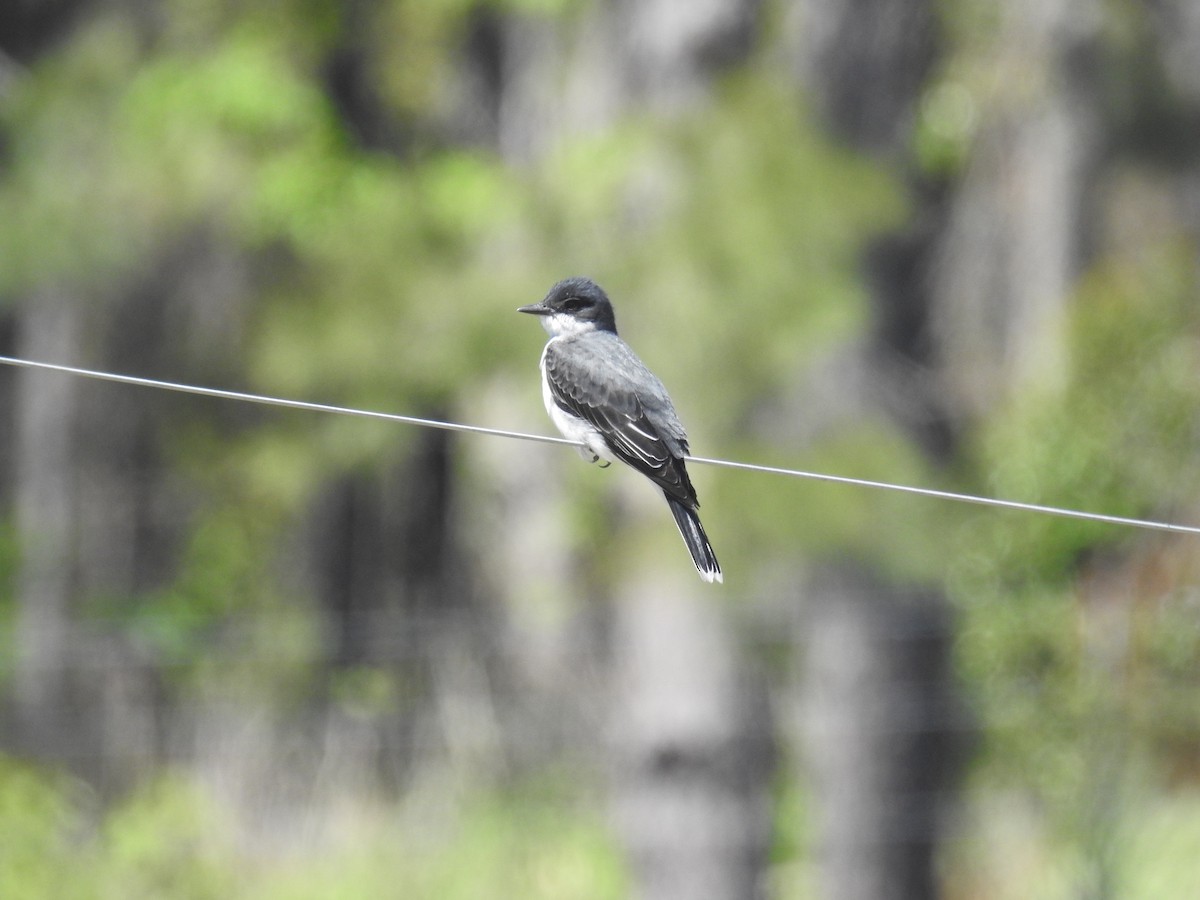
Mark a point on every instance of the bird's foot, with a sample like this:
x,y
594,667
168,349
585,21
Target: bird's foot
x,y
591,456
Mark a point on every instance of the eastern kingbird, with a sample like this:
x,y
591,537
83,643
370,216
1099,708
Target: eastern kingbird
x,y
598,392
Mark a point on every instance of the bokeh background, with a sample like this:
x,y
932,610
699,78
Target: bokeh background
x,y
251,652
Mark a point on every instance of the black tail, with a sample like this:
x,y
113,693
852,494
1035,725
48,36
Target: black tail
x,y
696,540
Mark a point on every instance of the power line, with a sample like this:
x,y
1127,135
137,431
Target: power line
x,y
951,495
279,401
244,397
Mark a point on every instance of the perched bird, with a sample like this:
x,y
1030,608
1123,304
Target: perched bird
x,y
598,392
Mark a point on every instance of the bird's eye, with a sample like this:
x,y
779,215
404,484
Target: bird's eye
x,y
571,304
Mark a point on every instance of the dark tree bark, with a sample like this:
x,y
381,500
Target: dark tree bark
x,y
692,750
26,29
865,62
382,557
880,719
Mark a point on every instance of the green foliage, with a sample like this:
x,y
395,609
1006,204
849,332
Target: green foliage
x,y
515,845
380,261
35,829
221,573
897,534
171,839
113,153
945,128
1159,858
1011,857
167,840
791,872
64,184
1119,436
1083,700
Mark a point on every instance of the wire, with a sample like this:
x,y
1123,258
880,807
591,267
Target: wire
x,y
241,396
951,495
279,401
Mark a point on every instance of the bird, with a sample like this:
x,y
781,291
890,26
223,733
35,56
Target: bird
x,y
599,394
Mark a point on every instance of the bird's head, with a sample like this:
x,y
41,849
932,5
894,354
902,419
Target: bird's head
x,y
574,306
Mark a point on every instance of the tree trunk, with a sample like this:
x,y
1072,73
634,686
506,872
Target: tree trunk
x,y
44,470
692,750
865,62
531,81
1017,228
879,720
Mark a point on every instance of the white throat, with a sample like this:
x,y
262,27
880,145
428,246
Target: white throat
x,y
562,325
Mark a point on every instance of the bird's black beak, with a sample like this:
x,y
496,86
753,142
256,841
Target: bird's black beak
x,y
535,309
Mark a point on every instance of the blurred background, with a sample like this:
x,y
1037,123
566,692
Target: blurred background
x,y
252,652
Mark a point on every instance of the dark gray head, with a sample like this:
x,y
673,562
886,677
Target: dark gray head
x,y
574,306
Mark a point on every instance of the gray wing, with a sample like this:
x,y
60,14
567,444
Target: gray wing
x,y
600,380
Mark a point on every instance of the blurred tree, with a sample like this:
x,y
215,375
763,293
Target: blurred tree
x,y
45,411
884,729
692,752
